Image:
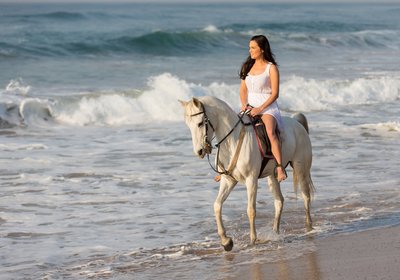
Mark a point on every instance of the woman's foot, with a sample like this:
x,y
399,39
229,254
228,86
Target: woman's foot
x,y
280,173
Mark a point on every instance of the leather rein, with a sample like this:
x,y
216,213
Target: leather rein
x,y
207,143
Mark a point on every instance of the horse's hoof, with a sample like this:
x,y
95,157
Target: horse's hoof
x,y
309,228
228,247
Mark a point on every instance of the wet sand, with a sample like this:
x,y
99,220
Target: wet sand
x,y
373,254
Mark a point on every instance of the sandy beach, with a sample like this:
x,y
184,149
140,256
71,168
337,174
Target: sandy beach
x,y
373,254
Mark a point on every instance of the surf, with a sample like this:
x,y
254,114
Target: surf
x,y
157,101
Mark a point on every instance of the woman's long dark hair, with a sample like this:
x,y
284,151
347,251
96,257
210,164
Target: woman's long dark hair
x,y
263,43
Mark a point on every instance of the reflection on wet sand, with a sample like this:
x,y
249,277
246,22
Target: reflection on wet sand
x,y
305,267
362,255
285,268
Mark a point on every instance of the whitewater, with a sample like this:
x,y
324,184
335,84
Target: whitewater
x,y
97,173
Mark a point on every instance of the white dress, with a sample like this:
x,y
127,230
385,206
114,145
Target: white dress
x,y
259,90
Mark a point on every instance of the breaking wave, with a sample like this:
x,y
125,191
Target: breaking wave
x,y
159,101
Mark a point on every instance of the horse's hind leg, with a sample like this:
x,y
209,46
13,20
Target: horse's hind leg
x,y
305,191
225,187
307,187
275,188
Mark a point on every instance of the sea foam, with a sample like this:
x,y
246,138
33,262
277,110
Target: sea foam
x,y
300,94
158,102
18,86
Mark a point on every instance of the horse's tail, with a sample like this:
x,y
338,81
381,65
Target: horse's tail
x,y
300,174
301,118
304,180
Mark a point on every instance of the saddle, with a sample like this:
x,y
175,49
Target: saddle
x,y
264,144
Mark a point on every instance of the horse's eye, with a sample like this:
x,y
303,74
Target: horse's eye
x,y
200,124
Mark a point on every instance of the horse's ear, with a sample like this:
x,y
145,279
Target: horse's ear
x,y
197,102
183,103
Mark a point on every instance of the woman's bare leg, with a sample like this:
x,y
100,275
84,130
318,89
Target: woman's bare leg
x,y
270,126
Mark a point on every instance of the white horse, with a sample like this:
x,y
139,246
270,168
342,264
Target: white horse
x,y
208,116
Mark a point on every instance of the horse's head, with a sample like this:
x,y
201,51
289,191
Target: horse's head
x,y
200,126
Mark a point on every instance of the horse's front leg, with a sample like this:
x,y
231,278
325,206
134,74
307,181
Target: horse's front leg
x,y
275,188
225,187
251,185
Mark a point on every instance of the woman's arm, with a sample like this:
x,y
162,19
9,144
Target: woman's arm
x,y
243,95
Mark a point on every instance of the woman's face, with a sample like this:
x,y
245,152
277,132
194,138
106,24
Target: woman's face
x,y
254,50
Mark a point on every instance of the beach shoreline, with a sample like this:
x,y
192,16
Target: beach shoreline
x,y
371,254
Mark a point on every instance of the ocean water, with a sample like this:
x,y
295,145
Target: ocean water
x,y
97,174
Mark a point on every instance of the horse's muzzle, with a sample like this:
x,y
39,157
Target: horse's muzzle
x,y
201,153
204,151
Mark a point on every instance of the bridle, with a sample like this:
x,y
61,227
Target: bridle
x,y
207,145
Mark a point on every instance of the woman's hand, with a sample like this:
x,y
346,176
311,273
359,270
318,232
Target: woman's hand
x,y
255,111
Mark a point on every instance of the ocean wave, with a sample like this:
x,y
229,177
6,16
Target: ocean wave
x,y
214,38
18,86
313,26
303,94
210,38
61,15
163,43
159,101
168,43
382,39
382,128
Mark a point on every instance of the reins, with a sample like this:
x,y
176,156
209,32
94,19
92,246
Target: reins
x,y
234,159
218,164
240,116
208,144
206,121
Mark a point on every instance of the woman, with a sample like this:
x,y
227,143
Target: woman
x,y
259,90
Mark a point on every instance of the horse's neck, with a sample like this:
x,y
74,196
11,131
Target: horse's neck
x,y
224,119
225,124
